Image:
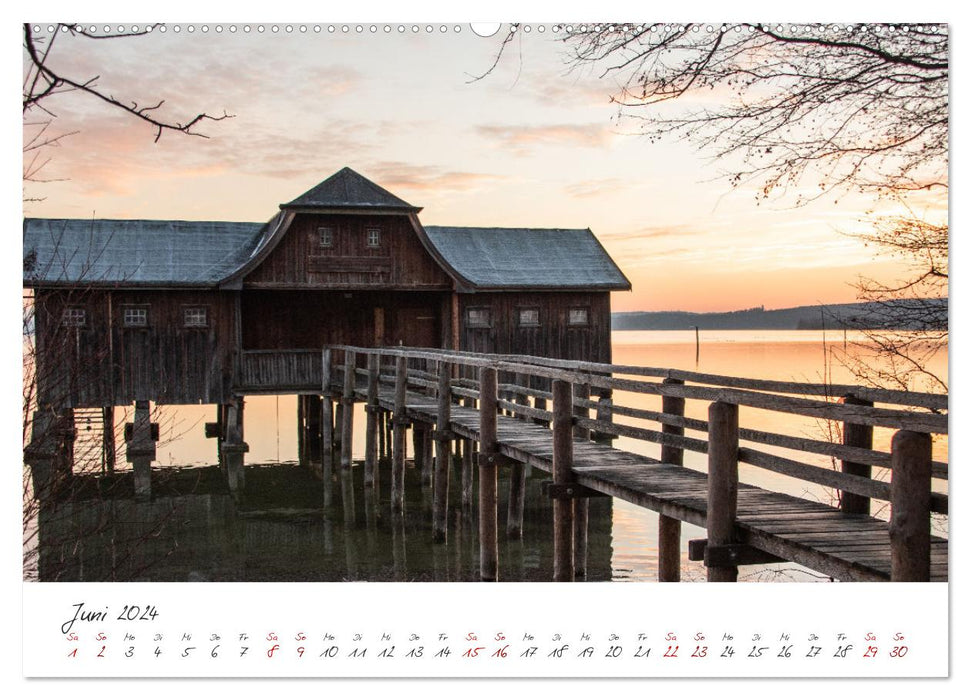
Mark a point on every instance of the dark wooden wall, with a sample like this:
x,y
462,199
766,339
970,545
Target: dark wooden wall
x,y
553,337
299,261
282,319
105,363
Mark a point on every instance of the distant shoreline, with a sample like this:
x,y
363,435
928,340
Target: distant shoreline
x,y
857,316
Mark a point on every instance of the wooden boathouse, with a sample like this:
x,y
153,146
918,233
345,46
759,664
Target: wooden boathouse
x,y
490,345
187,312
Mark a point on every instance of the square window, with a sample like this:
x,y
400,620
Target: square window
x,y
479,317
135,317
579,317
529,317
195,317
374,238
74,317
326,236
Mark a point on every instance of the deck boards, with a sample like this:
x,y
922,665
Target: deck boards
x,y
818,536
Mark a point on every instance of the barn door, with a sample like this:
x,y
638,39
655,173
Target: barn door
x,y
413,327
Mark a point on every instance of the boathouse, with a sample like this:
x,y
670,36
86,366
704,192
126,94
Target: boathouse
x,y
181,312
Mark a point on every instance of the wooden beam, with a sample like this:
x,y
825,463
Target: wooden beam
x,y
910,529
722,483
488,497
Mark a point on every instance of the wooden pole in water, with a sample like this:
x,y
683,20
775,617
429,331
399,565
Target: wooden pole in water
x,y
400,422
443,450
563,525
517,478
347,427
302,430
468,474
581,506
722,483
371,425
108,426
856,435
697,347
669,529
488,497
326,428
910,506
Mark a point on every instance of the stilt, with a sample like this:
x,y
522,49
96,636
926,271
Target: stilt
x,y
669,529
327,430
443,457
371,424
234,447
302,431
382,428
427,458
312,418
563,525
338,421
40,455
400,423
347,425
418,444
108,456
488,467
141,450
722,484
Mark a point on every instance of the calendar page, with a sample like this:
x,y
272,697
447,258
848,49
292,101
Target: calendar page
x,y
597,348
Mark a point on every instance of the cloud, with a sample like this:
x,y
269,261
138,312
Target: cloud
x,y
596,188
394,175
655,232
520,138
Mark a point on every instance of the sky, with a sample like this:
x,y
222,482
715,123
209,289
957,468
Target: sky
x,y
533,144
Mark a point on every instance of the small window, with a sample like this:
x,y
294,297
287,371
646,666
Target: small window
x,y
374,238
135,317
195,317
326,236
529,317
74,317
479,317
579,316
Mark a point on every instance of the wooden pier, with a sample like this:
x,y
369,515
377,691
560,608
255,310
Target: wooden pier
x,y
498,403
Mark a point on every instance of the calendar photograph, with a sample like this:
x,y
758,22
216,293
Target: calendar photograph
x,y
611,303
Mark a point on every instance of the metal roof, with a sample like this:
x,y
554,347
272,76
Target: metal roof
x,y
497,258
108,251
347,189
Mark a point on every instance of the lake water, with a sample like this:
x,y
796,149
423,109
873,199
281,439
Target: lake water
x,y
280,531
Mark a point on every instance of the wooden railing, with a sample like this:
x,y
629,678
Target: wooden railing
x,y
522,386
280,370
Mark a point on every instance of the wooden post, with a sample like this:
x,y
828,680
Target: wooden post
x,y
488,497
468,473
40,455
563,520
910,506
338,418
327,429
722,482
581,506
400,422
108,438
605,413
856,435
427,459
141,450
302,431
311,415
382,442
371,426
347,427
234,447
443,456
669,529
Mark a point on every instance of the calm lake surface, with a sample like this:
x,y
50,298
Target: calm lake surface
x,y
280,531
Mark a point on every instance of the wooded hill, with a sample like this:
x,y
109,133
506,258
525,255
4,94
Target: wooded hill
x,y
866,315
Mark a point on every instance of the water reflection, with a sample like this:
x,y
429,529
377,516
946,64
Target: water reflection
x,y
192,530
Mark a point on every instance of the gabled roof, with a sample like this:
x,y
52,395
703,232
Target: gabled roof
x,y
135,252
347,189
527,258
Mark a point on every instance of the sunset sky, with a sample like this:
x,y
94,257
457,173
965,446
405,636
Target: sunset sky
x,y
532,144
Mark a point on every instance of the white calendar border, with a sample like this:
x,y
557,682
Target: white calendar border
x,y
440,10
